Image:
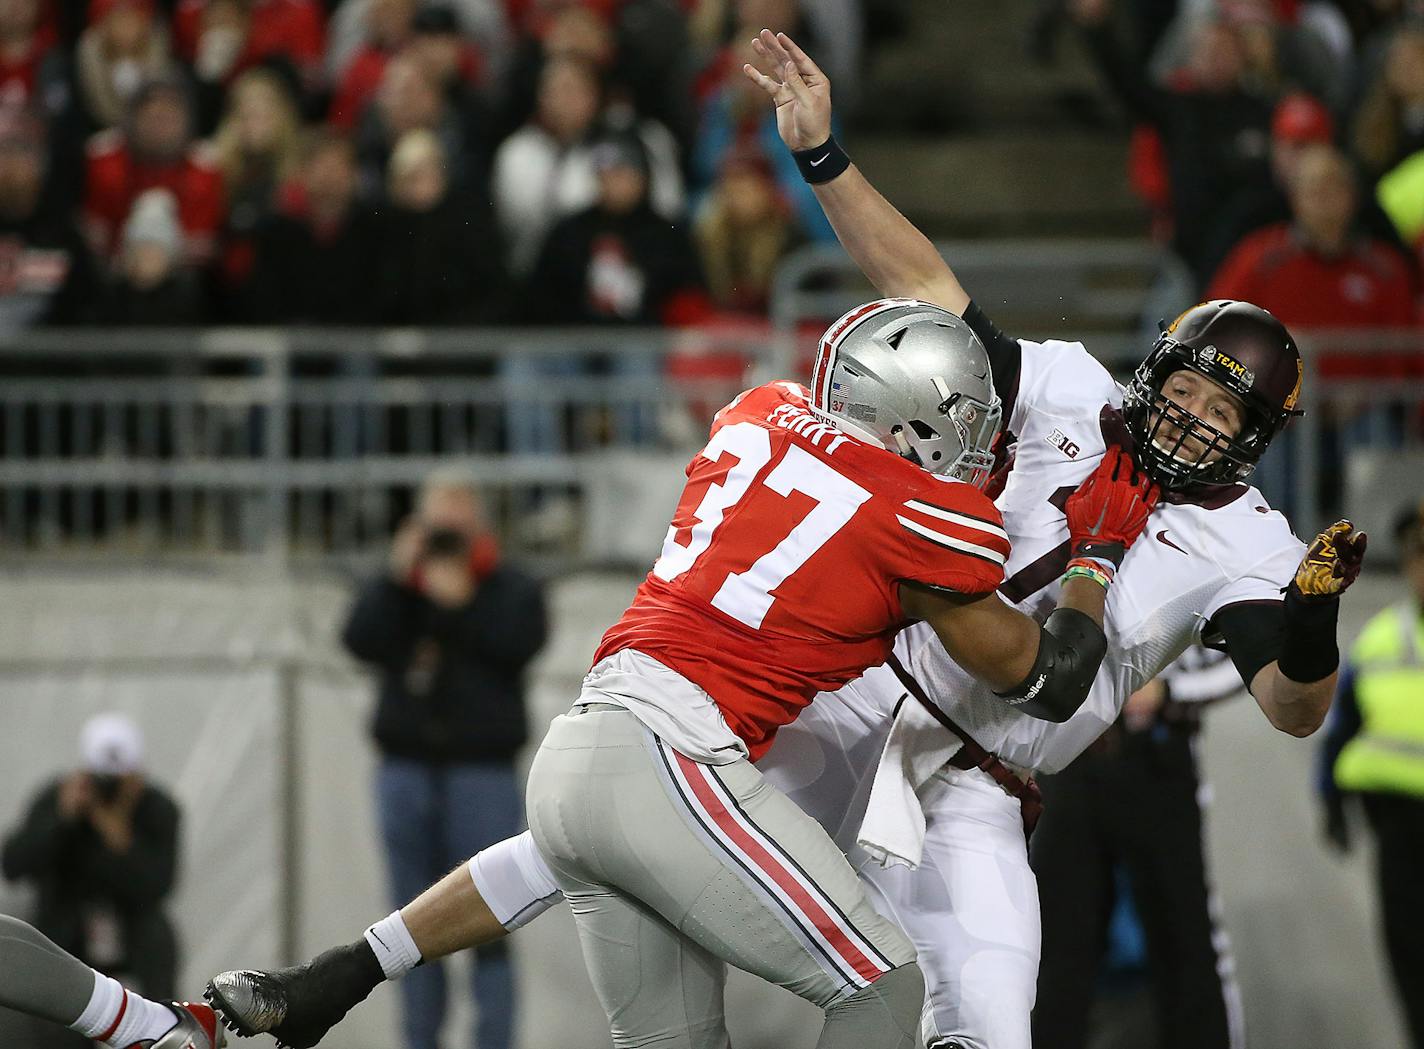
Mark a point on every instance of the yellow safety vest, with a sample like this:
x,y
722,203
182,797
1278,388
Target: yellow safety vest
x,y
1388,752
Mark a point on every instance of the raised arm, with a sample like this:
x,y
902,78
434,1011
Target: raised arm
x,y
897,258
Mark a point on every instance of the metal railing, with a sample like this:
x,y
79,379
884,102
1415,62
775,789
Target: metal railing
x,y
301,444
302,447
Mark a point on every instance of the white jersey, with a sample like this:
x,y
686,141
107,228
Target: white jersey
x,y
1194,559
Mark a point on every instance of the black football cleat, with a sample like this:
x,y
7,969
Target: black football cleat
x,y
296,1006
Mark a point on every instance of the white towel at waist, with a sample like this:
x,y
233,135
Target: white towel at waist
x,y
893,830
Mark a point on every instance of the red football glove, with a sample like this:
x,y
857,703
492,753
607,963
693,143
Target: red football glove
x,y
1110,508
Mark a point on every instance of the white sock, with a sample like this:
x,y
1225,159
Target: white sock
x,y
394,947
119,1017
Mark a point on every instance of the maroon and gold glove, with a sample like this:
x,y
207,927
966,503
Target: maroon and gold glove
x,y
1332,563
1110,508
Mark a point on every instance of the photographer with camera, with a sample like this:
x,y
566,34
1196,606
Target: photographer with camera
x,y
100,846
450,628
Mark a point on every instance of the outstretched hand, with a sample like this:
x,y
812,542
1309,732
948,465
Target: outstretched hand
x,y
796,85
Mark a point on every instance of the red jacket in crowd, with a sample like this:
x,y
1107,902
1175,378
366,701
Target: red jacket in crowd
x,y
293,28
19,76
1368,286
114,178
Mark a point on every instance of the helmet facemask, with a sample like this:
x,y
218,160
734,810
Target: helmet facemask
x,y
1198,454
975,425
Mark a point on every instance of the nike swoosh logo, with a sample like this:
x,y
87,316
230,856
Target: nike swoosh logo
x,y
1162,538
817,163
387,946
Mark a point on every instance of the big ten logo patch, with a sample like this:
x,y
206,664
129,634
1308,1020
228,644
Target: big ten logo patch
x,y
1060,441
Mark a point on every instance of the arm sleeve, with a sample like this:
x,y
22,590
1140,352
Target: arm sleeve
x,y
1005,354
1345,721
31,849
1251,632
381,628
506,626
1247,615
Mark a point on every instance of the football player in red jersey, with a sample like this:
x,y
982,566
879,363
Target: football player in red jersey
x,y
814,526
40,979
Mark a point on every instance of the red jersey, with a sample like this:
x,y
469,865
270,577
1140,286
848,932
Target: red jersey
x,y
114,178
779,576
1366,287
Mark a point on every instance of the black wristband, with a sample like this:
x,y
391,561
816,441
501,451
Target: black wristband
x,y
823,163
1097,548
1309,650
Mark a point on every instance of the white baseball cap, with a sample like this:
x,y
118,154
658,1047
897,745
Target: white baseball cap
x,y
111,745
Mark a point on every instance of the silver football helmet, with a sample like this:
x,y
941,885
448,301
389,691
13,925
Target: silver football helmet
x,y
913,378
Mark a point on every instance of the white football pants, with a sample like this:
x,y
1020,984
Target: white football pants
x,y
971,907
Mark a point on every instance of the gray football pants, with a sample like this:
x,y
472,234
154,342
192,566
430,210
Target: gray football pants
x,y
38,978
673,867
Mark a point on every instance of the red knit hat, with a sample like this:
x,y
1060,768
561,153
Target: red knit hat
x,y
1301,118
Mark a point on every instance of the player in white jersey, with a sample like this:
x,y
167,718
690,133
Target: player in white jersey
x,y
1207,401
1219,384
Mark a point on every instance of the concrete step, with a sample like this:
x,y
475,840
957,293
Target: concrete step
x,y
1023,184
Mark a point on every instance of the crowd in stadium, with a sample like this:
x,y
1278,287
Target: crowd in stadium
x,y
1281,149
384,162
391,162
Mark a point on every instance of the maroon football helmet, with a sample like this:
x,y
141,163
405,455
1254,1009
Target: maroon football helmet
x,y
1245,350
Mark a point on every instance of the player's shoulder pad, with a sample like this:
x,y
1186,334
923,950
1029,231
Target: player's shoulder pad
x,y
1059,378
763,398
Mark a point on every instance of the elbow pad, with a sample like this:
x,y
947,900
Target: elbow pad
x,y
1070,650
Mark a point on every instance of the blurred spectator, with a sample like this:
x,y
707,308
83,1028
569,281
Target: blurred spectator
x,y
151,288
100,845
618,262
1389,124
484,22
47,275
1283,54
544,172
411,98
1316,271
1133,805
25,41
317,261
1374,752
743,233
451,628
257,152
156,150
124,46
439,260
388,25
551,30
1214,131
1299,122
734,117
221,39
